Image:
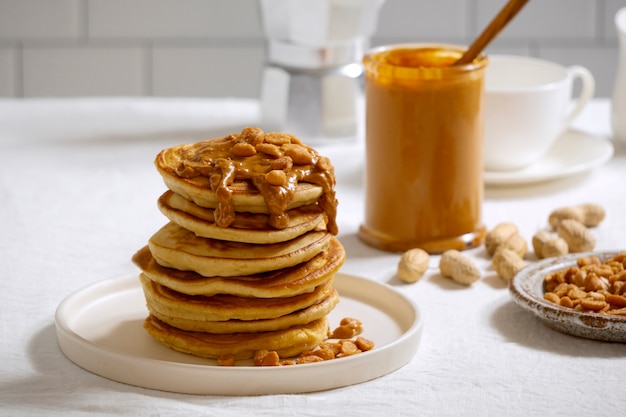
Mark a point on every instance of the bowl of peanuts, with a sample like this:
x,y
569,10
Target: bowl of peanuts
x,y
581,294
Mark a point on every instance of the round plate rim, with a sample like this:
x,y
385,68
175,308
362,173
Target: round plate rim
x,y
396,353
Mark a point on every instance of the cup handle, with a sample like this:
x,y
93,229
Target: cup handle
x,y
586,92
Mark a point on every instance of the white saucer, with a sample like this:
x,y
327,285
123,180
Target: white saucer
x,y
574,152
100,329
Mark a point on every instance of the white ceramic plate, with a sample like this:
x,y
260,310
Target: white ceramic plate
x,y
574,152
527,291
100,329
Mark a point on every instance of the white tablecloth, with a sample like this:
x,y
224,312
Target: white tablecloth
x,y
77,199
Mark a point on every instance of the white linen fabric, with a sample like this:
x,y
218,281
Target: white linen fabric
x,y
78,195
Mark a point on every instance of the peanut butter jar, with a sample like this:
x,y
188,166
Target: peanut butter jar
x,y
424,138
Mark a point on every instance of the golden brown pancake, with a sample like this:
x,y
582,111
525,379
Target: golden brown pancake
x,y
175,247
298,317
248,259
247,227
285,282
287,343
245,197
252,171
223,307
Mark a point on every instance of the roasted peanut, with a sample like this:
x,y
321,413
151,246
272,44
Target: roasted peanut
x,y
277,138
588,214
595,283
579,277
299,154
325,354
348,327
243,149
577,236
498,235
269,149
552,297
602,270
276,177
576,293
618,287
460,268
251,135
507,263
266,358
588,260
566,301
309,359
348,348
327,350
365,344
412,265
226,360
596,295
617,300
593,305
548,245
284,163
619,276
585,289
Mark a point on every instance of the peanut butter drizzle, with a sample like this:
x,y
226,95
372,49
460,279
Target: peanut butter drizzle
x,y
274,163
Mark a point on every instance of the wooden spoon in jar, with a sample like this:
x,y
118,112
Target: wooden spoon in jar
x,y
505,15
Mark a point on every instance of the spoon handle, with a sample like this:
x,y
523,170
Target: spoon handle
x,y
506,14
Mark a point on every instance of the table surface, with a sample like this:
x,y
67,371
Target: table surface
x,y
78,197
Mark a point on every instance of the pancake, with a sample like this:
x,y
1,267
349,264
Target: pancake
x,y
245,197
302,316
248,258
223,307
247,227
175,247
253,172
287,343
285,282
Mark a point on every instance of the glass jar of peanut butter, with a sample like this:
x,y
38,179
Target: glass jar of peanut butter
x,y
424,138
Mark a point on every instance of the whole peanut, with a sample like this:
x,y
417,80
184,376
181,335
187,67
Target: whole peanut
x,y
498,235
588,214
507,263
516,243
577,236
412,265
460,268
548,245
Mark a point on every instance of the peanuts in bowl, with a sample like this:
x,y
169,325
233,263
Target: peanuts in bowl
x,y
529,287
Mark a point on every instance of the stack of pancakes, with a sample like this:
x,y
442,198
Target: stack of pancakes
x,y
248,258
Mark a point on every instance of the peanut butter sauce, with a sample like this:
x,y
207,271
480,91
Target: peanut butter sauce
x,y
274,164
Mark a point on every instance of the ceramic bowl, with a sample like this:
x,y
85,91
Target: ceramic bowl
x,y
527,291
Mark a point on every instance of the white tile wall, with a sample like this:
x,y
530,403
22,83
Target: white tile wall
x,y
8,76
94,71
545,20
423,21
608,18
40,19
173,19
216,47
205,71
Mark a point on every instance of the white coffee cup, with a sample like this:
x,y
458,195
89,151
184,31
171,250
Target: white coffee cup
x,y
528,105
